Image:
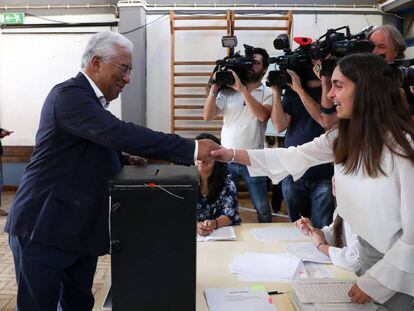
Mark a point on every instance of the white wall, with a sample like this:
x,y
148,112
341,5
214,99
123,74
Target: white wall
x,y
30,65
206,45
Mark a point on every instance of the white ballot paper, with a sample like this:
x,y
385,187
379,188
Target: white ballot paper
x,y
263,267
238,299
307,252
224,233
318,271
271,234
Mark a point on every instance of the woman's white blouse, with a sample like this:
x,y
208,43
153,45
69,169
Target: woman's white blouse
x,y
348,256
380,210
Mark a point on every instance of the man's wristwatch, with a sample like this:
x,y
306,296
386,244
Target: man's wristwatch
x,y
328,110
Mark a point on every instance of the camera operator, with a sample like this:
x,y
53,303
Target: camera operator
x,y
389,42
299,113
246,109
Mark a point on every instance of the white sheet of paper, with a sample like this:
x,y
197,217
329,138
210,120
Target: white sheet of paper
x,y
236,299
223,233
261,267
271,234
307,252
318,271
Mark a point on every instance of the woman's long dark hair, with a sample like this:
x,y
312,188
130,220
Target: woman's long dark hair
x,y
218,177
378,117
338,237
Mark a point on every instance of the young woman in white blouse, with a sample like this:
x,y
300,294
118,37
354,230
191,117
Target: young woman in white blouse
x,y
336,240
373,155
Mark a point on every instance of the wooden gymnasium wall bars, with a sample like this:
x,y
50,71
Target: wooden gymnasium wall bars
x,y
190,74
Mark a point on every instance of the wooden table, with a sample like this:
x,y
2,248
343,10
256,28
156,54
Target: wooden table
x,y
214,258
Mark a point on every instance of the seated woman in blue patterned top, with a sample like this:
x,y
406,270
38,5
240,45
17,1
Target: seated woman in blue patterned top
x,y
217,204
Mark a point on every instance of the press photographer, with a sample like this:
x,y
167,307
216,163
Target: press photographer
x,y
325,52
389,42
299,113
334,45
245,105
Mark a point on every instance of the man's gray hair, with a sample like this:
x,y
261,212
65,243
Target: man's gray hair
x,y
396,38
103,44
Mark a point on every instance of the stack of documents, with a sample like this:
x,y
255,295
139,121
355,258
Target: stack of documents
x,y
236,299
223,233
324,295
307,252
259,267
283,233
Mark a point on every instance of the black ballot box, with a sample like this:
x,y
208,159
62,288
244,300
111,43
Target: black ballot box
x,y
153,238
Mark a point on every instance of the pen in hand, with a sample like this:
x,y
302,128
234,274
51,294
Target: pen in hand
x,y
305,225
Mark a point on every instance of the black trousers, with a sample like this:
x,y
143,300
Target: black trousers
x,y
49,278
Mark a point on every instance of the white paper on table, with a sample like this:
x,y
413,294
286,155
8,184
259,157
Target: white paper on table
x,y
301,273
307,252
236,299
271,234
224,233
261,267
318,270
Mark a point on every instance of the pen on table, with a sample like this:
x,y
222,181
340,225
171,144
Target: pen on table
x,y
275,292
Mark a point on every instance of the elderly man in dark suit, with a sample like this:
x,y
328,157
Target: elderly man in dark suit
x,y
3,133
58,223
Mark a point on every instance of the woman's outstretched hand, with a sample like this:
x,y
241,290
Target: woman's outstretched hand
x,y
222,155
231,155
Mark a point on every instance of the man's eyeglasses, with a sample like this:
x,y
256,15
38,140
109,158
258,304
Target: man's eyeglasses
x,y
126,71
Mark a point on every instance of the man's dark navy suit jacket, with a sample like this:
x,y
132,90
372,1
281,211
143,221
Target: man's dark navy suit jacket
x,y
62,199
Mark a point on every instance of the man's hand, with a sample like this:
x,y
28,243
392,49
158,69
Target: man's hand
x,y
317,68
205,146
5,133
358,296
223,155
275,90
296,85
238,86
136,160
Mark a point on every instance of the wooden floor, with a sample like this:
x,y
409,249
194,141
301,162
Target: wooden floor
x,y
7,277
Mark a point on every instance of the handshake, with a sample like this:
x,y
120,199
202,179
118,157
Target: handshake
x,y
207,150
